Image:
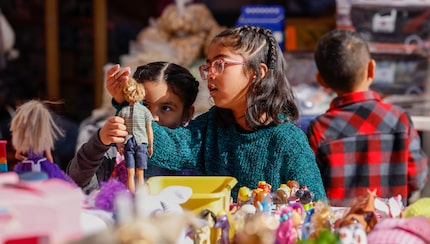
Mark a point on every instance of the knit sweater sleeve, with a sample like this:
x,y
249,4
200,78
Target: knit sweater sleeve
x,y
180,148
301,165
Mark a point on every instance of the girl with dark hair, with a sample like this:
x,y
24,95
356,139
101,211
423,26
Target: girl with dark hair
x,y
170,93
249,133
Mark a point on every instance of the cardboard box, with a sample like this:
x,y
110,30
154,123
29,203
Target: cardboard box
x,y
302,34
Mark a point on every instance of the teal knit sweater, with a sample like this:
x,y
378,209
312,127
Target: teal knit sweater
x,y
274,154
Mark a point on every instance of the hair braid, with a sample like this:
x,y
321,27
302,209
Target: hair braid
x,y
271,53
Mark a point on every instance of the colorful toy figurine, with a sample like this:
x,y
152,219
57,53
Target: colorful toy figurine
x,y
319,221
138,143
362,211
265,186
305,196
352,234
244,196
281,196
389,208
286,233
262,200
34,132
294,186
223,222
203,235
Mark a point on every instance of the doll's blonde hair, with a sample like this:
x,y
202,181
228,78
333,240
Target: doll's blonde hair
x,y
33,128
133,91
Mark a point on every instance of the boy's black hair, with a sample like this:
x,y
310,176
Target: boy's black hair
x,y
342,57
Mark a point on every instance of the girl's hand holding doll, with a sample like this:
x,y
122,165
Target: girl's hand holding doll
x,y
115,80
113,131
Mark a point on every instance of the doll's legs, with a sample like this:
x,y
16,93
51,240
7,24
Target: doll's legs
x,y
130,180
136,159
129,151
141,157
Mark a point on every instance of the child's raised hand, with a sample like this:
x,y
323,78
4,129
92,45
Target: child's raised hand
x,y
115,80
113,131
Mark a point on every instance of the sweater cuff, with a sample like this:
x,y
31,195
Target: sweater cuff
x,y
94,148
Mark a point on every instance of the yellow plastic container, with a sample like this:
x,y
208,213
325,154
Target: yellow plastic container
x,y
209,192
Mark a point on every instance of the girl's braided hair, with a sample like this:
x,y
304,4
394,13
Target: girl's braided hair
x,y
270,99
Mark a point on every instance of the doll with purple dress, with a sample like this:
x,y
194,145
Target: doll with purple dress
x,y
34,132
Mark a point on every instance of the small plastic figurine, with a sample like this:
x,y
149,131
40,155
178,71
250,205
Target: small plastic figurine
x,y
281,196
305,197
203,235
34,132
244,196
224,223
286,232
362,211
138,143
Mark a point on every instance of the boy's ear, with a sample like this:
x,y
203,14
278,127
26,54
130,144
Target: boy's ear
x,y
320,80
371,69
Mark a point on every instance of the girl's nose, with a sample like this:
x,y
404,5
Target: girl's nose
x,y
156,118
211,76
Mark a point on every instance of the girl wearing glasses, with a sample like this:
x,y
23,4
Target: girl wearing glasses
x,y
249,133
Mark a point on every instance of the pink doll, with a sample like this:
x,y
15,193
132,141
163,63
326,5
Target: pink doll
x,y
138,143
34,132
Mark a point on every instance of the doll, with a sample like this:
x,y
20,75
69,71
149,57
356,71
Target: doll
x,y
362,212
34,132
138,143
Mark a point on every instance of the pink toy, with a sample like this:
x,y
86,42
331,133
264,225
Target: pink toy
x,y
395,230
49,209
286,233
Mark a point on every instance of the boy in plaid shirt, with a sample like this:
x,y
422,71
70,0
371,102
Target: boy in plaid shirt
x,y
361,142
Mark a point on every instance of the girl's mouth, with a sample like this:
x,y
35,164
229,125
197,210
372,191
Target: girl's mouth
x,y
212,88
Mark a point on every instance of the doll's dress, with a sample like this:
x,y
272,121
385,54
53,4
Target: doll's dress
x,y
38,163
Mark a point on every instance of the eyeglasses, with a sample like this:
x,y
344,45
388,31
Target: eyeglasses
x,y
216,67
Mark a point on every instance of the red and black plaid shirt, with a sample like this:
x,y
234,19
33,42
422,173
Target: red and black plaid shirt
x,y
362,143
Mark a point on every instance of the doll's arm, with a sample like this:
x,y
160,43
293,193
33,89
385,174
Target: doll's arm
x,y
19,156
150,134
48,155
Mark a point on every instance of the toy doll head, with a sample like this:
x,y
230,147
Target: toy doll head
x,y
33,128
362,211
133,91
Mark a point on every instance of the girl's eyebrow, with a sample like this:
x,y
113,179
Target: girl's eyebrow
x,y
217,57
170,103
